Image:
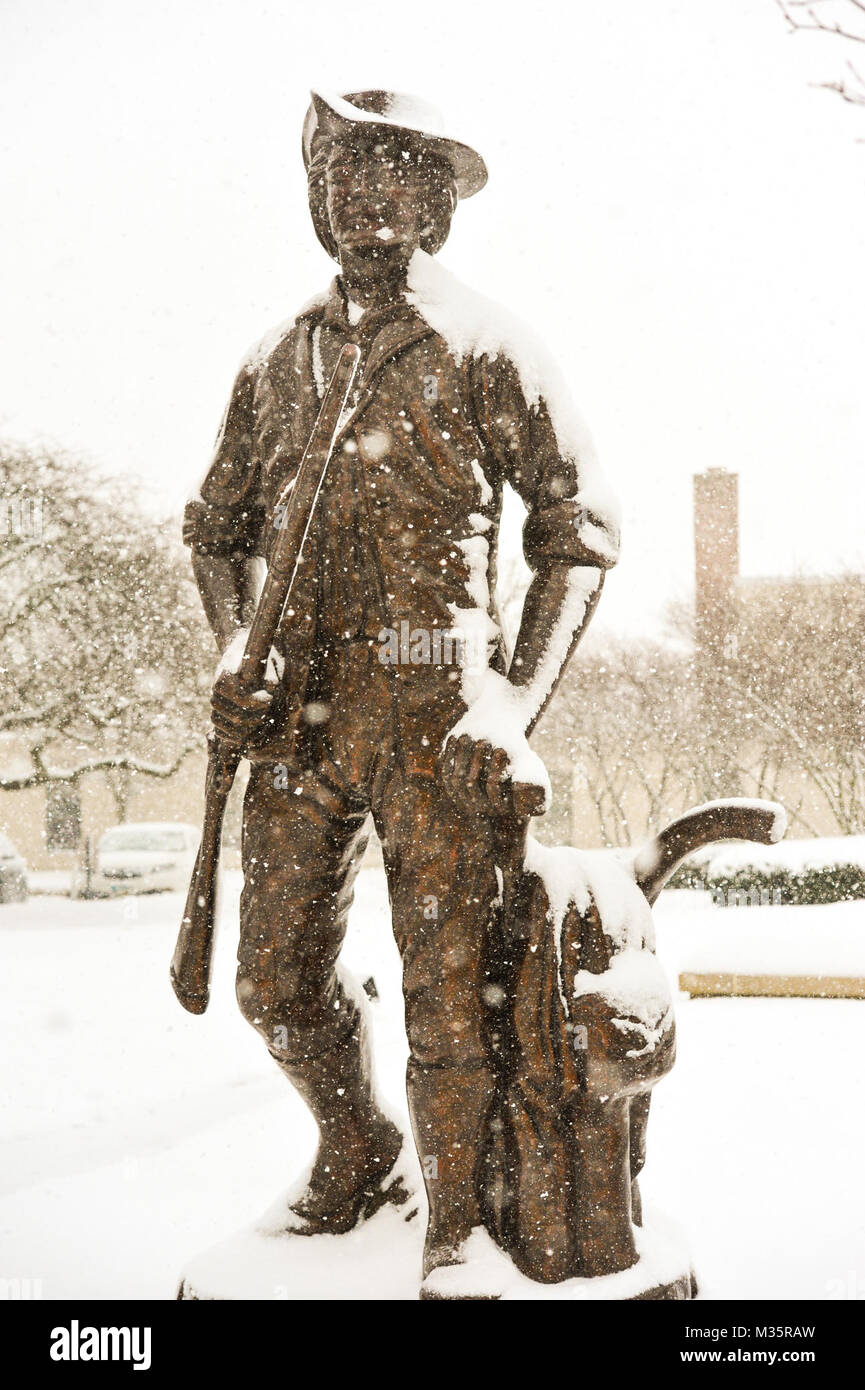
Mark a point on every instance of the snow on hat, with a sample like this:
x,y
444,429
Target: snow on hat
x,y
328,116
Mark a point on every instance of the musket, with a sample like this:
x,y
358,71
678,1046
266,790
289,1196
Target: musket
x,y
193,954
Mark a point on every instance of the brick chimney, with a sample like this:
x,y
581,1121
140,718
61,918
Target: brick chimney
x,y
716,550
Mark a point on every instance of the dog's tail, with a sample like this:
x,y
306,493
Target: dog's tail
x,y
737,819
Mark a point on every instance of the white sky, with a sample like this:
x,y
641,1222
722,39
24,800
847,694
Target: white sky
x,y
670,204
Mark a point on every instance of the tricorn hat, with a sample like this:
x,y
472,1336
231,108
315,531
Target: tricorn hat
x,y
380,114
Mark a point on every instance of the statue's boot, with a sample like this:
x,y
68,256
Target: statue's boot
x,y
449,1106
353,1172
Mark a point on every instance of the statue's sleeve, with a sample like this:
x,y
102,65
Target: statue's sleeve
x,y
546,453
227,515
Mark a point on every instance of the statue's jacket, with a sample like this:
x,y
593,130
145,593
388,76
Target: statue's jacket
x,y
406,527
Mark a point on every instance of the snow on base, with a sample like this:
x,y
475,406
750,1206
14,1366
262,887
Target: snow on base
x,y
380,1259
279,1215
185,1125
661,1248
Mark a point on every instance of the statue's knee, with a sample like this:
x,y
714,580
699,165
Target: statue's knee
x,y
287,1008
442,1037
253,998
273,1013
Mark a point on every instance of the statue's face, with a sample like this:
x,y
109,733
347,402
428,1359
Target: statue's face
x,y
377,199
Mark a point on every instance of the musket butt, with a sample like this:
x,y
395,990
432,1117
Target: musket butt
x,y
192,1001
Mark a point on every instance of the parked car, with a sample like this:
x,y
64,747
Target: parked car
x,y
144,857
14,887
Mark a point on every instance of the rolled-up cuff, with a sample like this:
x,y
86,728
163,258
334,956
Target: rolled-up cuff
x,y
569,533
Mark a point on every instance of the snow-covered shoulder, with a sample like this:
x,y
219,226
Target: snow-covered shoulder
x,y
255,358
473,325
267,345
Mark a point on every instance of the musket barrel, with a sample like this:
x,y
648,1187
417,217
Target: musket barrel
x,y
193,954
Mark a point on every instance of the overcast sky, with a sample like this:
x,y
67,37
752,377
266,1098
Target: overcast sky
x,y
670,204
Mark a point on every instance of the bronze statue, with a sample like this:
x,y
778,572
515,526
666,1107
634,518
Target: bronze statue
x,y
390,692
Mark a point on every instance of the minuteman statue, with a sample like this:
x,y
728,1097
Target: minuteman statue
x,y
394,695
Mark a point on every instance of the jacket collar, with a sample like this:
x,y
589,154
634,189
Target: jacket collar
x,y
382,334
333,312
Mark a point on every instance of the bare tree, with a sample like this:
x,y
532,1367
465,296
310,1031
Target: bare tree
x,y
785,690
621,739
844,22
772,706
800,671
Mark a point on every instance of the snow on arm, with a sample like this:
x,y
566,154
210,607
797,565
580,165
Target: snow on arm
x,y
253,360
232,426
473,326
227,506
495,714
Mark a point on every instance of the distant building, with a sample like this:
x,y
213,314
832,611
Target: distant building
x,y
716,552
719,587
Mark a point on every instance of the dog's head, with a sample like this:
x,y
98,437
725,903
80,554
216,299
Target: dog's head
x,y
592,1009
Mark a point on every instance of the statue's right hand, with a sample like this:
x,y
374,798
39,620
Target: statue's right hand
x,y
244,717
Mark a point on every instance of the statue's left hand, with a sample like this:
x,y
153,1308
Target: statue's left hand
x,y
477,773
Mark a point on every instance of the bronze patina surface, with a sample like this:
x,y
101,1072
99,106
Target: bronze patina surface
x,y
504,1113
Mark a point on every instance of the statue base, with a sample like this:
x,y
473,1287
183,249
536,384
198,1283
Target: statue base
x,y
381,1261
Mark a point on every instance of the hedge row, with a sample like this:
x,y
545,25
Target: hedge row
x,y
834,883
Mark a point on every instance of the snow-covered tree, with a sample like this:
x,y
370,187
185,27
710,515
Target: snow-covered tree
x,y
105,659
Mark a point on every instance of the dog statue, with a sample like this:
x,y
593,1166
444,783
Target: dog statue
x,y
582,1025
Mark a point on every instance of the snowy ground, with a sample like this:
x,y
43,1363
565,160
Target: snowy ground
x,y
135,1135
